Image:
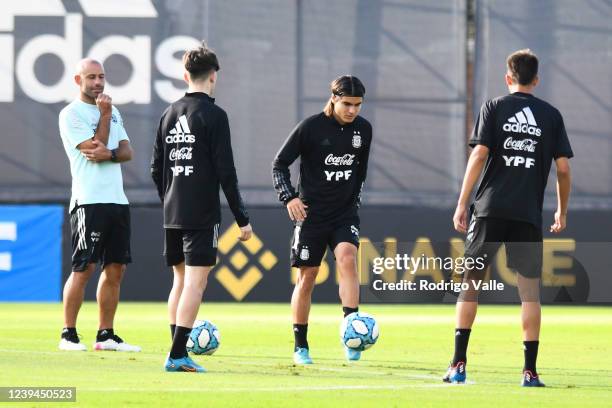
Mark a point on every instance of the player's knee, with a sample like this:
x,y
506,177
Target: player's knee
x,y
198,284
113,280
195,289
469,295
307,277
113,274
81,278
178,283
529,289
347,262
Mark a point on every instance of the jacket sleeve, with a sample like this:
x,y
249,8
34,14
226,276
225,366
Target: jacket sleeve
x,y
157,162
223,162
281,175
362,170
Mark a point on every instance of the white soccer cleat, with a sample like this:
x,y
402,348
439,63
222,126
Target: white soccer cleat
x,y
116,344
68,345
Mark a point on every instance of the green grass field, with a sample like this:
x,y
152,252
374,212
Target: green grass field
x,y
253,367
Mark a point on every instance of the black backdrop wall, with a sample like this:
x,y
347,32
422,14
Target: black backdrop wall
x,y
260,271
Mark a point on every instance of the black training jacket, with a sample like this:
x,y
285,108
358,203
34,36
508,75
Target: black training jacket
x,y
333,166
192,158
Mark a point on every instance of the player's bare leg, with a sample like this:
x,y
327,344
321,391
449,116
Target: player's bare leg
x,y
465,314
302,293
346,259
74,292
175,294
531,311
300,310
194,284
467,304
107,293
531,318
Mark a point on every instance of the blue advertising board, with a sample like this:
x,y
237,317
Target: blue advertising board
x,y
30,252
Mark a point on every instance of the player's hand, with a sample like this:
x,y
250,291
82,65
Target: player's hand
x,y
105,104
246,232
296,209
98,154
460,219
560,222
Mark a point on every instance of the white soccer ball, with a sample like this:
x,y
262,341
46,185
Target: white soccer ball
x,y
359,331
205,338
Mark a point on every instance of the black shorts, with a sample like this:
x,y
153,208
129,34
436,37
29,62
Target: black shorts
x,y
310,241
523,242
194,247
100,233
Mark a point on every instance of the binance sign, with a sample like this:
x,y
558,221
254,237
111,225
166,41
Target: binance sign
x,y
242,264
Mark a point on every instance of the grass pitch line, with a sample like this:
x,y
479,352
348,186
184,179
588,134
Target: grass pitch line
x,y
268,389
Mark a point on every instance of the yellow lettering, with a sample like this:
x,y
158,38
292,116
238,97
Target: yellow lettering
x,y
552,261
365,257
423,250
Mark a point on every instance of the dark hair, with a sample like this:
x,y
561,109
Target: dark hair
x,y
523,66
345,85
200,62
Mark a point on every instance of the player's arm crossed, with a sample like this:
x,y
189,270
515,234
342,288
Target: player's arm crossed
x,y
95,149
105,106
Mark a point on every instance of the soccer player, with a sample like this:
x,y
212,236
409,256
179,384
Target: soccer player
x,y
192,157
333,147
96,143
516,137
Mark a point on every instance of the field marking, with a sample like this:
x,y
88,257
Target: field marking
x,y
271,389
281,365
381,371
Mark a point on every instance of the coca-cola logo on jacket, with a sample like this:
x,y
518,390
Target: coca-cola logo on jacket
x,y
345,160
183,153
523,145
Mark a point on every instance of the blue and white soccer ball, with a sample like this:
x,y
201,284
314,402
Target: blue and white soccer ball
x,y
205,338
359,331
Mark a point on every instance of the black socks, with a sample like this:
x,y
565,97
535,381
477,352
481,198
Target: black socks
x,y
300,332
104,334
462,336
70,333
348,310
179,342
531,355
172,330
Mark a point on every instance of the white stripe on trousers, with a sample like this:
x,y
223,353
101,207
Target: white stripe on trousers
x,y
215,235
82,241
296,236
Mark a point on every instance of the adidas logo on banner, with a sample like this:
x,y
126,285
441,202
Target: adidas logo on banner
x,y
523,122
181,132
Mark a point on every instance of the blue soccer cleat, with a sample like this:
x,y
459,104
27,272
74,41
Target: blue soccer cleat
x,y
301,356
531,380
185,364
456,373
352,354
